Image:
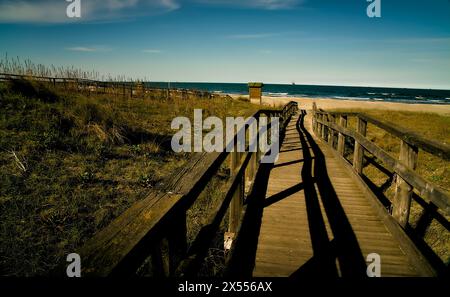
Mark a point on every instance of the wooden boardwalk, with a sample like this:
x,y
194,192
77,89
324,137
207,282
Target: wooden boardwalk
x,y
308,215
316,219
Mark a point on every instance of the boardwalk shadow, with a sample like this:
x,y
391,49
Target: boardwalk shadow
x,y
344,247
243,259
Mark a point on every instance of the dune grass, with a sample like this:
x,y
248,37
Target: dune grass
x,y
432,168
70,164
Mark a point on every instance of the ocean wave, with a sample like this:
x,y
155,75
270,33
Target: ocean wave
x,y
351,98
275,94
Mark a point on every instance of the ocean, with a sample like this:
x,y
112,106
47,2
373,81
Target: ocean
x,y
428,96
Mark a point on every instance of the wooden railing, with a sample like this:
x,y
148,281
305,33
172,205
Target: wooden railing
x,y
332,127
125,89
154,230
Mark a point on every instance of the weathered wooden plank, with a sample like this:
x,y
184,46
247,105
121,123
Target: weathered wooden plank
x,y
341,137
403,191
429,145
159,222
426,189
358,156
285,235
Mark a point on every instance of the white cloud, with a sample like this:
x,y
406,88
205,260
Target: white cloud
x,y
259,4
151,51
54,11
32,11
253,36
426,40
170,4
88,49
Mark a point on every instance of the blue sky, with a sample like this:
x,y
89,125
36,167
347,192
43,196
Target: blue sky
x,y
328,42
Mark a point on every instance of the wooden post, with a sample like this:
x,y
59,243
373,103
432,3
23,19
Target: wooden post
x,y
317,124
358,155
330,131
251,171
322,130
331,119
318,128
258,150
403,191
314,120
238,196
160,259
341,137
177,240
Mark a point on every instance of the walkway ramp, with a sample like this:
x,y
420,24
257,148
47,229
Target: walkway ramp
x,y
315,218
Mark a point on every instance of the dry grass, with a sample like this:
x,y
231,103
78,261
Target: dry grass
x,y
70,164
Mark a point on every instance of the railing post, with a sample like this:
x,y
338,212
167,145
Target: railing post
x,y
317,125
331,119
322,126
341,137
258,149
358,155
403,191
252,165
251,168
314,119
177,240
160,259
238,196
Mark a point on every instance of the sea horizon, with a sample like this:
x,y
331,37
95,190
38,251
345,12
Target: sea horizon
x,y
380,94
297,84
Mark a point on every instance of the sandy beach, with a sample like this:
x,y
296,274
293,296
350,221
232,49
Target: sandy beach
x,y
327,103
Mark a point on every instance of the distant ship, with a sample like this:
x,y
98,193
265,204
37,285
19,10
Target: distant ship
x,y
293,83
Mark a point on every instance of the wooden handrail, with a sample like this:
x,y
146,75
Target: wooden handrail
x,y
100,86
426,189
431,146
408,179
156,225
